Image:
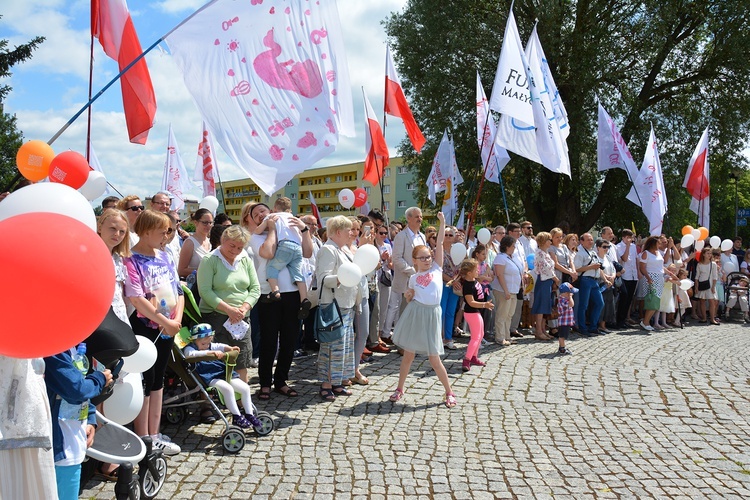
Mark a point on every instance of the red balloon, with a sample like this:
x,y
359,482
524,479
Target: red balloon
x,y
360,197
69,168
54,295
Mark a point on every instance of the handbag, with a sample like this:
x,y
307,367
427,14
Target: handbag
x,y
704,285
652,301
386,279
329,325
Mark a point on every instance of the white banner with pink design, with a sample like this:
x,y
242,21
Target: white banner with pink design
x,y
270,78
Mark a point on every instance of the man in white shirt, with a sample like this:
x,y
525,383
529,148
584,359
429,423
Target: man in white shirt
x,y
608,235
403,264
627,257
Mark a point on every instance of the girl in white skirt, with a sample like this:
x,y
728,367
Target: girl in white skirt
x,y
419,328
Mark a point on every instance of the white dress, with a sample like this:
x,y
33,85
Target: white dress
x,y
419,328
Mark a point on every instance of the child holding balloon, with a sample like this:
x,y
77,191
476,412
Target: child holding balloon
x,y
419,328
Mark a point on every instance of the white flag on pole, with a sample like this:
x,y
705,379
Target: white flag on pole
x,y
650,185
176,179
440,173
450,199
494,157
271,81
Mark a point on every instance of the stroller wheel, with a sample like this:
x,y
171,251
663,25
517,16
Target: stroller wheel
x,y
266,426
150,485
175,415
233,440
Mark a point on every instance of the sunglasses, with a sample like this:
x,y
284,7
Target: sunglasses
x,y
424,258
449,235
206,222
605,246
136,208
383,233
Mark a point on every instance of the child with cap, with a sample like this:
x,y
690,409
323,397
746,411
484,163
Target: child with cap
x,y
566,318
213,373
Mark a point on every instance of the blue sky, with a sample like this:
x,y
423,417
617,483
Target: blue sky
x,y
51,87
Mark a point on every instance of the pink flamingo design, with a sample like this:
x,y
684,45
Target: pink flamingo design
x,y
302,78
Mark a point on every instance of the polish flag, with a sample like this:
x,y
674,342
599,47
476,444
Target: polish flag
x,y
377,149
697,181
314,208
396,105
112,25
205,165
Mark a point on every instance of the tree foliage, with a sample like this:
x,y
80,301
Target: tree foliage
x,y
680,65
10,137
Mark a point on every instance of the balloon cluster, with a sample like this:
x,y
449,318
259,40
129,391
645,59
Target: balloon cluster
x,y
699,236
36,161
349,198
127,395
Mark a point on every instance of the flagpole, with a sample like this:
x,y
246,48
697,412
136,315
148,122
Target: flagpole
x,y
481,181
125,70
91,85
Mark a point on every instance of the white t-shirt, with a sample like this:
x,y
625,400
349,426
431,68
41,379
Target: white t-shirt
x,y
74,441
283,230
285,281
428,285
631,265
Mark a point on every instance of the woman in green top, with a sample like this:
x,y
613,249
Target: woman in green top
x,y
229,288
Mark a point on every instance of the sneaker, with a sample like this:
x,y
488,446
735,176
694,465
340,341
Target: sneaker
x,y
450,345
241,422
648,328
485,342
457,332
252,419
299,353
254,363
477,362
564,351
466,365
167,447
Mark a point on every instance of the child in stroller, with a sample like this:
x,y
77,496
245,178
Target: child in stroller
x,y
213,373
737,291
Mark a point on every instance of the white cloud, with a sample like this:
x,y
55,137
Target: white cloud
x,y
134,169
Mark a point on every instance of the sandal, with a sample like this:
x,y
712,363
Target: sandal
x,y
289,392
340,390
396,396
360,380
108,476
264,393
327,394
450,400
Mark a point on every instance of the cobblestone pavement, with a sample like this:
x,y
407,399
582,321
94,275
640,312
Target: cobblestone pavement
x,y
629,414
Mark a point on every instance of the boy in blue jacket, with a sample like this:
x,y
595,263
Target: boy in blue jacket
x,y
73,416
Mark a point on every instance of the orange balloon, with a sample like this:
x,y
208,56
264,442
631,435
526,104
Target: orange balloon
x,y
687,230
704,233
33,160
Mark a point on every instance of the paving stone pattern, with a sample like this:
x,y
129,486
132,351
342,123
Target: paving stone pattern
x,y
628,415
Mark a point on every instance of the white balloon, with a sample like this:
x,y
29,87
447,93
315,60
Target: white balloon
x,y
349,274
726,245
696,234
458,252
687,240
126,400
210,203
699,245
686,284
367,258
484,236
715,241
143,359
730,267
49,197
94,186
346,198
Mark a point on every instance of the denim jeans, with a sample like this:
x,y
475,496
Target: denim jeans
x,y
590,301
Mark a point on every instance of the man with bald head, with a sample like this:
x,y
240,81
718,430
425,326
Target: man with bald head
x,y
590,300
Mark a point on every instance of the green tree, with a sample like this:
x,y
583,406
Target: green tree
x,y
677,64
10,137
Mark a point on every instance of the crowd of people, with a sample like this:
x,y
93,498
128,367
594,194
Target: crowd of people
x,y
260,283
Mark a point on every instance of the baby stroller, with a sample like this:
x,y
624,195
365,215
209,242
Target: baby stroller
x,y
113,443
183,388
737,296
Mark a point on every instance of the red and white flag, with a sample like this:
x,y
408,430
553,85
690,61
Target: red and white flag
x,y
112,25
314,208
494,156
697,181
206,167
175,179
396,105
377,149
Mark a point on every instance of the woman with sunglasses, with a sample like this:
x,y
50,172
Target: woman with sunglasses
x,y
132,206
198,245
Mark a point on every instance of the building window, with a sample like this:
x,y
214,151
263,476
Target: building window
x,y
400,204
293,196
289,183
328,194
387,172
387,189
410,186
387,205
368,190
327,180
402,170
339,178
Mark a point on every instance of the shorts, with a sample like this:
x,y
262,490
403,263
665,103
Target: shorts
x,y
288,254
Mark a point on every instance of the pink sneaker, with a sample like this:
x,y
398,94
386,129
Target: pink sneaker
x,y
476,362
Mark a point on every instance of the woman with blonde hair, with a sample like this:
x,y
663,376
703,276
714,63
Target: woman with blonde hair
x,y
545,270
132,206
198,245
336,360
112,227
